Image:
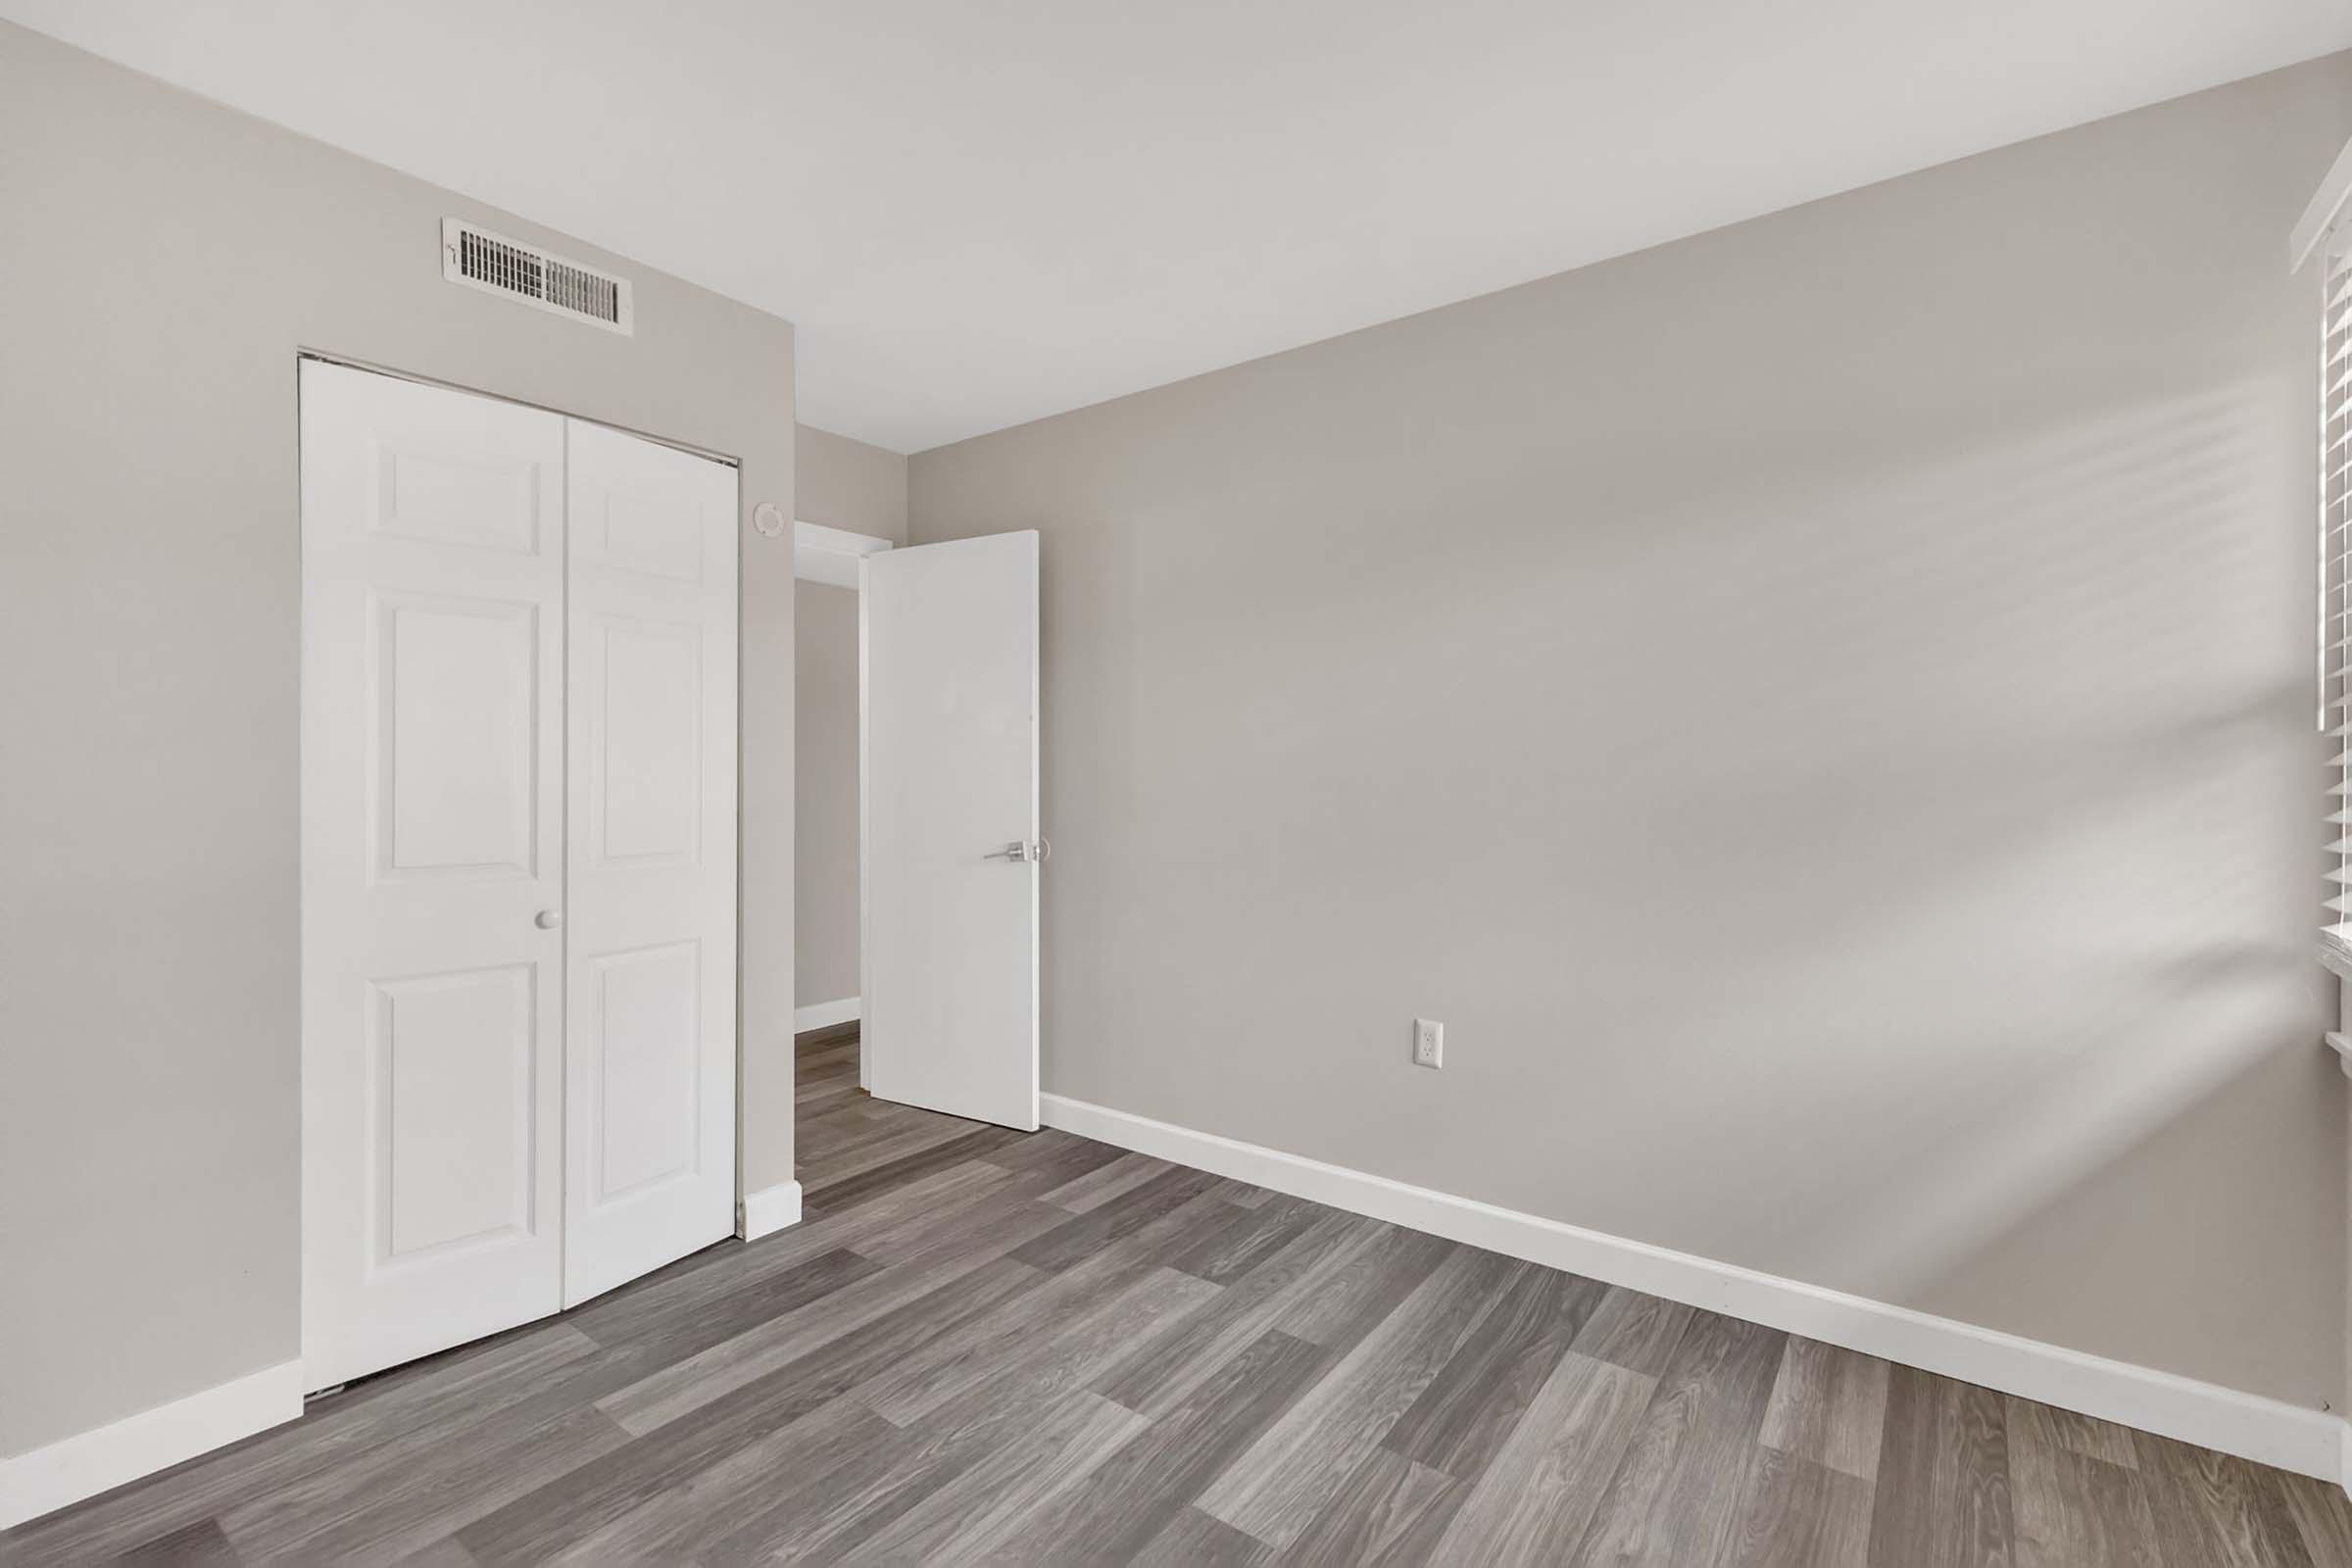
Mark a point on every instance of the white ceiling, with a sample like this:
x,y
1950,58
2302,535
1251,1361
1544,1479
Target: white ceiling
x,y
979,214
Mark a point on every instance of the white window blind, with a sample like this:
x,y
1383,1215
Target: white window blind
x,y
2335,559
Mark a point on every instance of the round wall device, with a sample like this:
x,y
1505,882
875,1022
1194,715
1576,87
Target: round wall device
x,y
768,518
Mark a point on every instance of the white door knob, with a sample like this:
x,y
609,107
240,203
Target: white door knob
x,y
548,919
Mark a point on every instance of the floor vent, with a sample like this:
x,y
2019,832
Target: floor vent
x,y
497,264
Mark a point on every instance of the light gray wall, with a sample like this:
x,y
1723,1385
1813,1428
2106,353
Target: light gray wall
x,y
850,484
165,259
824,928
842,484
1822,710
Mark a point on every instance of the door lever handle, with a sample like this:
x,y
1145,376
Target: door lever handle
x,y
1020,850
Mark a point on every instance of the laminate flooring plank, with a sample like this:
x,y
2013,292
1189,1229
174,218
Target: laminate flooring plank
x,y
1057,1358
827,1037
1674,1500
753,1487
672,1391
556,1516
2084,1434
2070,1509
739,1265
1637,1332
399,1496
2217,1511
1390,1511
952,1230
862,1499
844,1192
817,1474
984,1507
197,1545
1196,1541
858,1220
2323,1517
1166,1371
413,1405
472,1474
1085,1235
1942,1499
1829,1406
1537,1496
1799,1514
670,1331
900,1140
1053,1153
1348,1303
826,1064
827,1074
1473,1405
1124,1505
800,1415
1274,1491
1081,1320
829,1131
1232,1250
1097,1187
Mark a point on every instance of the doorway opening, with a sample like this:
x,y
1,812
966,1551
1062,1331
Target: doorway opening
x,y
917,845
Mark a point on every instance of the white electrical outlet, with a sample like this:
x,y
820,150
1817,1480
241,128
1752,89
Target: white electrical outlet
x,y
1428,1043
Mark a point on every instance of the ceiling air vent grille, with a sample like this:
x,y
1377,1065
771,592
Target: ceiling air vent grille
x,y
497,264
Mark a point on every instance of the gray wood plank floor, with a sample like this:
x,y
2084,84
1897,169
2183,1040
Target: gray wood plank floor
x,y
980,1346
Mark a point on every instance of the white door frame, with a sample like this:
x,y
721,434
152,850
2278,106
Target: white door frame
x,y
731,462
830,556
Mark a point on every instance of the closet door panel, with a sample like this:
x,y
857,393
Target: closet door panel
x,y
651,786
432,828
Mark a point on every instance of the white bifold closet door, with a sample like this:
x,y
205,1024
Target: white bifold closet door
x,y
518,864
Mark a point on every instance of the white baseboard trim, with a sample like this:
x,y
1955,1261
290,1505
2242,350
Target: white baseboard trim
x,y
2310,1442
825,1014
87,1463
769,1209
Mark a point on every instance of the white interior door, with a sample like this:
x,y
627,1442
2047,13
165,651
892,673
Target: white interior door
x,y
432,840
948,665
650,1163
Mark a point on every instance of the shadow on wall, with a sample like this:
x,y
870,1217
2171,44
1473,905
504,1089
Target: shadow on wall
x,y
1923,892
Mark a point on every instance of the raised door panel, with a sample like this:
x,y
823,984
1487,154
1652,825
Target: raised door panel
x,y
451,1130
646,795
645,1035
646,525
456,736
445,487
